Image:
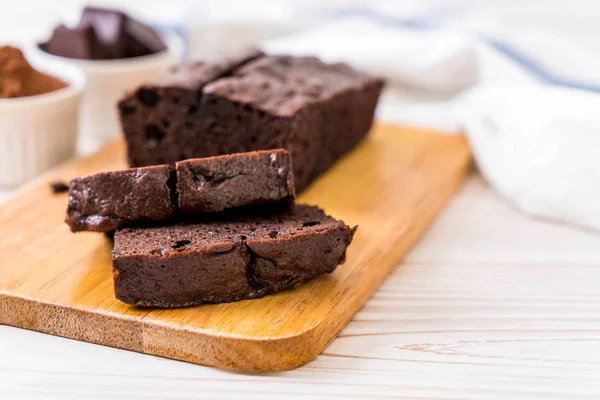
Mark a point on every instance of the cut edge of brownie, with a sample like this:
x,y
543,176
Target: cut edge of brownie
x,y
89,210
213,184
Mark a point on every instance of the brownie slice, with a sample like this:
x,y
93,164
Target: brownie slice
x,y
108,200
226,258
219,183
317,111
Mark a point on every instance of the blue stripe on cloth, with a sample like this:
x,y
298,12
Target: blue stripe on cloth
x,y
432,21
535,69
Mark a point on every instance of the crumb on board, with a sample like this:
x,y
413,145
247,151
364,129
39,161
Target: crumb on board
x,y
59,187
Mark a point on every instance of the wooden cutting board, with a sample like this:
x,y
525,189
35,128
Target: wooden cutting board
x,y
52,281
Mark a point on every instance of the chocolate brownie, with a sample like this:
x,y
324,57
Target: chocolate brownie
x,y
317,111
223,182
226,258
106,201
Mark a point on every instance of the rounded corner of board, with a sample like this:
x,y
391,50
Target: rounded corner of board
x,y
244,354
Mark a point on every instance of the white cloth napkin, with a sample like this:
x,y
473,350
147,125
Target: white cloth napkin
x,y
538,146
535,144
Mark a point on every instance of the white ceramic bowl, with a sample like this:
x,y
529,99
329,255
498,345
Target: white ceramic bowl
x,y
107,81
38,132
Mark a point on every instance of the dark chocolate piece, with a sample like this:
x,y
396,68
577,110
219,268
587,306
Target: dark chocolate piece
x,y
59,187
104,34
108,200
141,40
226,258
224,182
121,35
317,111
79,42
109,26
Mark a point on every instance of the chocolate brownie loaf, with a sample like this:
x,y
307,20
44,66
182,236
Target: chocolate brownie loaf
x,y
106,201
226,258
317,111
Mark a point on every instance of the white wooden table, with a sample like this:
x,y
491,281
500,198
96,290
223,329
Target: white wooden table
x,y
490,304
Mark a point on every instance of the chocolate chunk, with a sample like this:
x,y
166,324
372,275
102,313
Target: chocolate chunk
x,y
104,34
141,40
79,42
109,26
121,35
59,187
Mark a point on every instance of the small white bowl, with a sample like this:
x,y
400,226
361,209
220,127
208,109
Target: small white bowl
x,y
107,81
38,132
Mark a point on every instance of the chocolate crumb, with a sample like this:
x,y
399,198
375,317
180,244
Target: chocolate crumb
x,y
59,187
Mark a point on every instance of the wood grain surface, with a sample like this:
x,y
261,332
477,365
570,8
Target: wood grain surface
x,y
53,281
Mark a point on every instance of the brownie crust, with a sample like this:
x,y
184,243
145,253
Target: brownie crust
x,y
229,258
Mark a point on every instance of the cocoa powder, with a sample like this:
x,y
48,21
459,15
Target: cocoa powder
x,y
19,79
